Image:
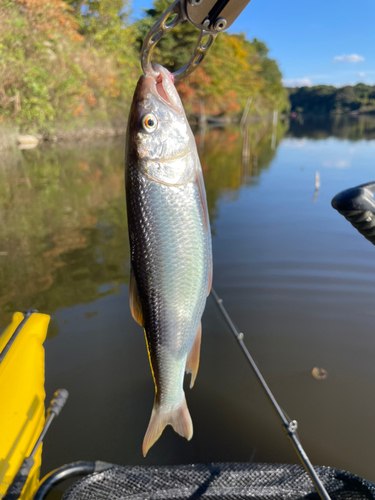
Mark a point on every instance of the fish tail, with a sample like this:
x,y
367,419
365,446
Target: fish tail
x,y
179,418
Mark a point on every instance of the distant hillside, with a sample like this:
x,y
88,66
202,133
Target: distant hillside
x,y
326,99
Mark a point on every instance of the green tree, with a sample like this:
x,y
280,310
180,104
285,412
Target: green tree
x,y
316,100
272,88
362,91
323,99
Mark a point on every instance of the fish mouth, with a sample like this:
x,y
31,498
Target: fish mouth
x,y
162,87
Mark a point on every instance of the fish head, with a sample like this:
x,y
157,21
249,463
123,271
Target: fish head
x,y
159,135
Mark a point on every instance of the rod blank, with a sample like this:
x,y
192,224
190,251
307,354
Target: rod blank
x,y
289,427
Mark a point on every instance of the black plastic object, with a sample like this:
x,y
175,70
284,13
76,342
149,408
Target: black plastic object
x,y
57,403
225,481
357,205
59,475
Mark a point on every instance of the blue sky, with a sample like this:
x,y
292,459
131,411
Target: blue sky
x,y
328,42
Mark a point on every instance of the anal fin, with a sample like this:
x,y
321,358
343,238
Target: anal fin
x,y
210,278
179,418
135,302
192,361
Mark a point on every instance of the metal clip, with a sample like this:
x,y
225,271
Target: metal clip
x,y
161,27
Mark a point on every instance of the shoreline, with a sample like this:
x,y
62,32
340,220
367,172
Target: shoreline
x,y
11,137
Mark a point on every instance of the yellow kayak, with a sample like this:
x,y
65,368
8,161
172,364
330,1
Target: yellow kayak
x,y
22,411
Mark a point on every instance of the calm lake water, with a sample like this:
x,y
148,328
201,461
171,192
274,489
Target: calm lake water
x,y
295,276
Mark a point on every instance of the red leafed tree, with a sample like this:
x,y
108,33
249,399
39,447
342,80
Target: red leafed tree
x,y
51,17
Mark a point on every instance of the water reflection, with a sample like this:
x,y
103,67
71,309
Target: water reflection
x,y
353,128
224,166
63,233
64,230
295,276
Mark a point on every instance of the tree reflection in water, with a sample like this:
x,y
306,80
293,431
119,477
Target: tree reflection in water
x,y
352,128
63,232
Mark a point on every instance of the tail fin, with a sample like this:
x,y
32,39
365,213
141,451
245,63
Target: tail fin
x,y
178,418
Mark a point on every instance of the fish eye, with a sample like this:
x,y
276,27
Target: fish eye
x,y
149,123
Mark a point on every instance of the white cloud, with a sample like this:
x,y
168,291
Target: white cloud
x,y
295,143
298,82
336,164
349,58
362,74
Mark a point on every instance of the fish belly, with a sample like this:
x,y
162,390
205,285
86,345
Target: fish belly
x,y
170,260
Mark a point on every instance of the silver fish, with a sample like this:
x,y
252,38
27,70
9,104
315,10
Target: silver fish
x,y
170,240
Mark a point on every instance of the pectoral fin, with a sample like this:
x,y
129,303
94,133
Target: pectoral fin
x,y
135,302
192,361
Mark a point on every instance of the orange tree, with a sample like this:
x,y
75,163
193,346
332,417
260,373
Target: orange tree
x,y
60,66
30,31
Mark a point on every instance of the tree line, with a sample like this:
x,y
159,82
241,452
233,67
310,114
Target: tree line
x,y
76,62
326,99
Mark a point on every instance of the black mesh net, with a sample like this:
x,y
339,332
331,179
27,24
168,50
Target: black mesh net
x,y
228,481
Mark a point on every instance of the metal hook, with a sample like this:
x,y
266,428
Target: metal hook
x,y
160,28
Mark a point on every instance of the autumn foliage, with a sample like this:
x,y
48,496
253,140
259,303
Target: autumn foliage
x,y
52,17
72,61
55,68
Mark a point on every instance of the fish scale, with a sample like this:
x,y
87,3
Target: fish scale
x,y
170,246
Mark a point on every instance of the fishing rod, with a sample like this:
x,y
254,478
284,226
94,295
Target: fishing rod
x,y
289,426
